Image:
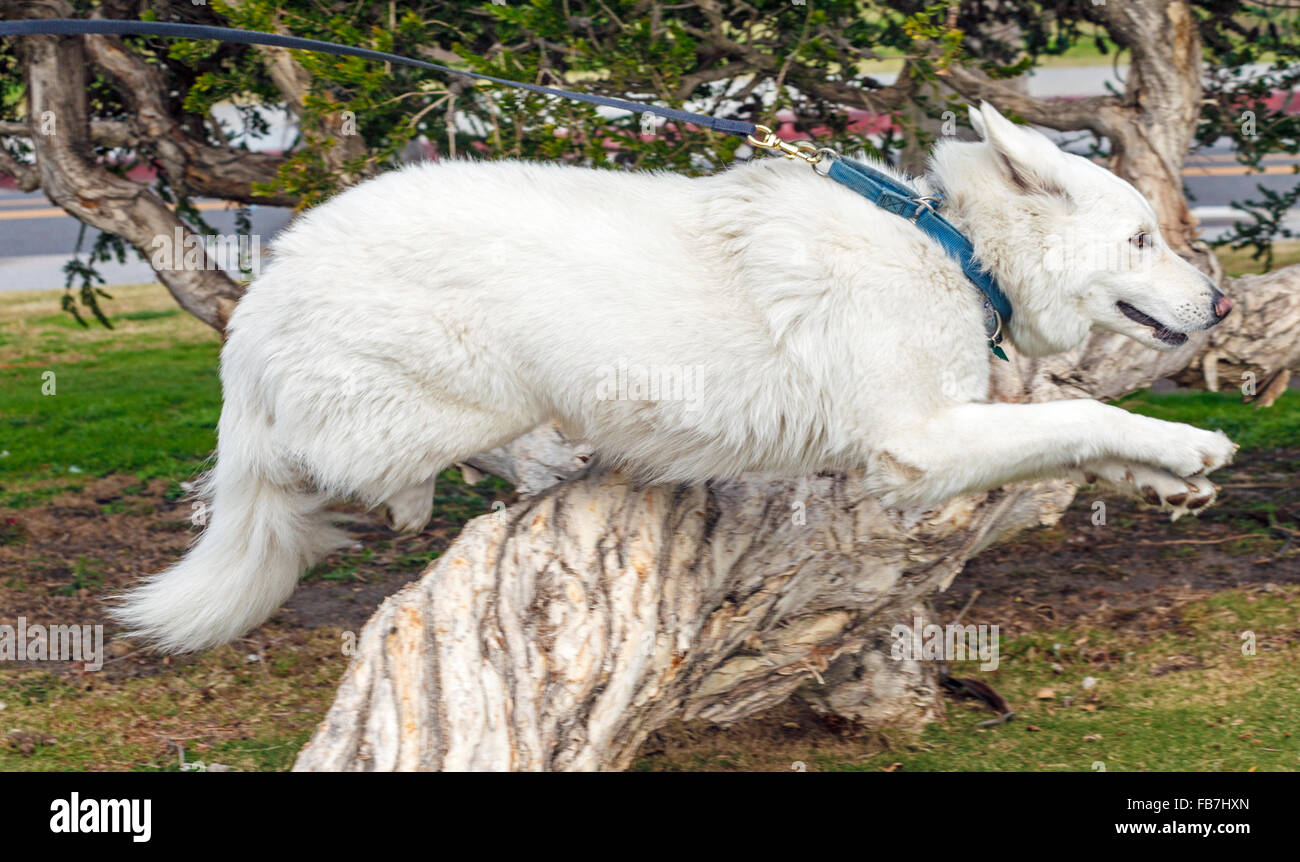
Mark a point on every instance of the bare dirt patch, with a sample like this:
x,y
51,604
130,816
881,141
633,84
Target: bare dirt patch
x,y
1133,575
59,562
1134,571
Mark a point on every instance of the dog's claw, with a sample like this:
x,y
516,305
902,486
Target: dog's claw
x,y
1167,491
1180,504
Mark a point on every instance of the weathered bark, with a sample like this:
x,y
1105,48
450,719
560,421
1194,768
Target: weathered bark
x,y
1260,338
103,133
559,633
868,686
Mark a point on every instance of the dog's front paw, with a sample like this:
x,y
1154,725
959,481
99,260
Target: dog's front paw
x,y
1189,451
1173,494
1217,452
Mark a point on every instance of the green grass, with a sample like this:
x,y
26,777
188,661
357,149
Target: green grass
x,y
141,399
1180,700
147,314
1270,428
223,708
150,412
87,574
347,566
341,571
1238,262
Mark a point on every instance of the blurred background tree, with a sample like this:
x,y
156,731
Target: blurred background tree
x,y
885,78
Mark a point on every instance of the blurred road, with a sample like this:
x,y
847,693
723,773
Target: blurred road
x,y
37,239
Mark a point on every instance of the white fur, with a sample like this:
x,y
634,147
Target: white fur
x,y
444,309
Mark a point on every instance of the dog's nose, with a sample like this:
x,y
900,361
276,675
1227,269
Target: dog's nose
x,y
1220,303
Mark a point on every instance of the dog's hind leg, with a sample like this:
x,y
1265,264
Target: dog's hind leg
x,y
409,510
389,459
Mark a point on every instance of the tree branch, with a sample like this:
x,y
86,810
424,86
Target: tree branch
x,y
1093,113
103,133
57,88
194,166
294,83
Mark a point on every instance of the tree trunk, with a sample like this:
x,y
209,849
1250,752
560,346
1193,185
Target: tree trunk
x,y
60,131
1149,127
557,634
1162,107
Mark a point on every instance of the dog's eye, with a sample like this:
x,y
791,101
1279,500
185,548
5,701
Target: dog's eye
x,y
1142,240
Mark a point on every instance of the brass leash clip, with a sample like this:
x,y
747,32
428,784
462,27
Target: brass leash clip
x,y
805,150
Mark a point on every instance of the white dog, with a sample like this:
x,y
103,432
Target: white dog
x,y
444,309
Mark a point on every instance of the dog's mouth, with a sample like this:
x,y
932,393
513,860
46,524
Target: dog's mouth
x,y
1162,332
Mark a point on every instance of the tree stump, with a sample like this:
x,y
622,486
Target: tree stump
x,y
558,633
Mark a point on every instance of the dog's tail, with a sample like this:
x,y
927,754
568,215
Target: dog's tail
x,y
262,532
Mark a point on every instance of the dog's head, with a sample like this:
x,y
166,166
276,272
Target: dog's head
x,y
1075,247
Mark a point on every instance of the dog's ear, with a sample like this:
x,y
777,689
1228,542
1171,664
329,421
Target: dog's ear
x,y
1025,157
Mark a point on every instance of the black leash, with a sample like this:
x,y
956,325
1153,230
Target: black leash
x,y
102,27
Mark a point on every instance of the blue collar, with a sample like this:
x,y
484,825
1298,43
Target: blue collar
x,y
898,198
